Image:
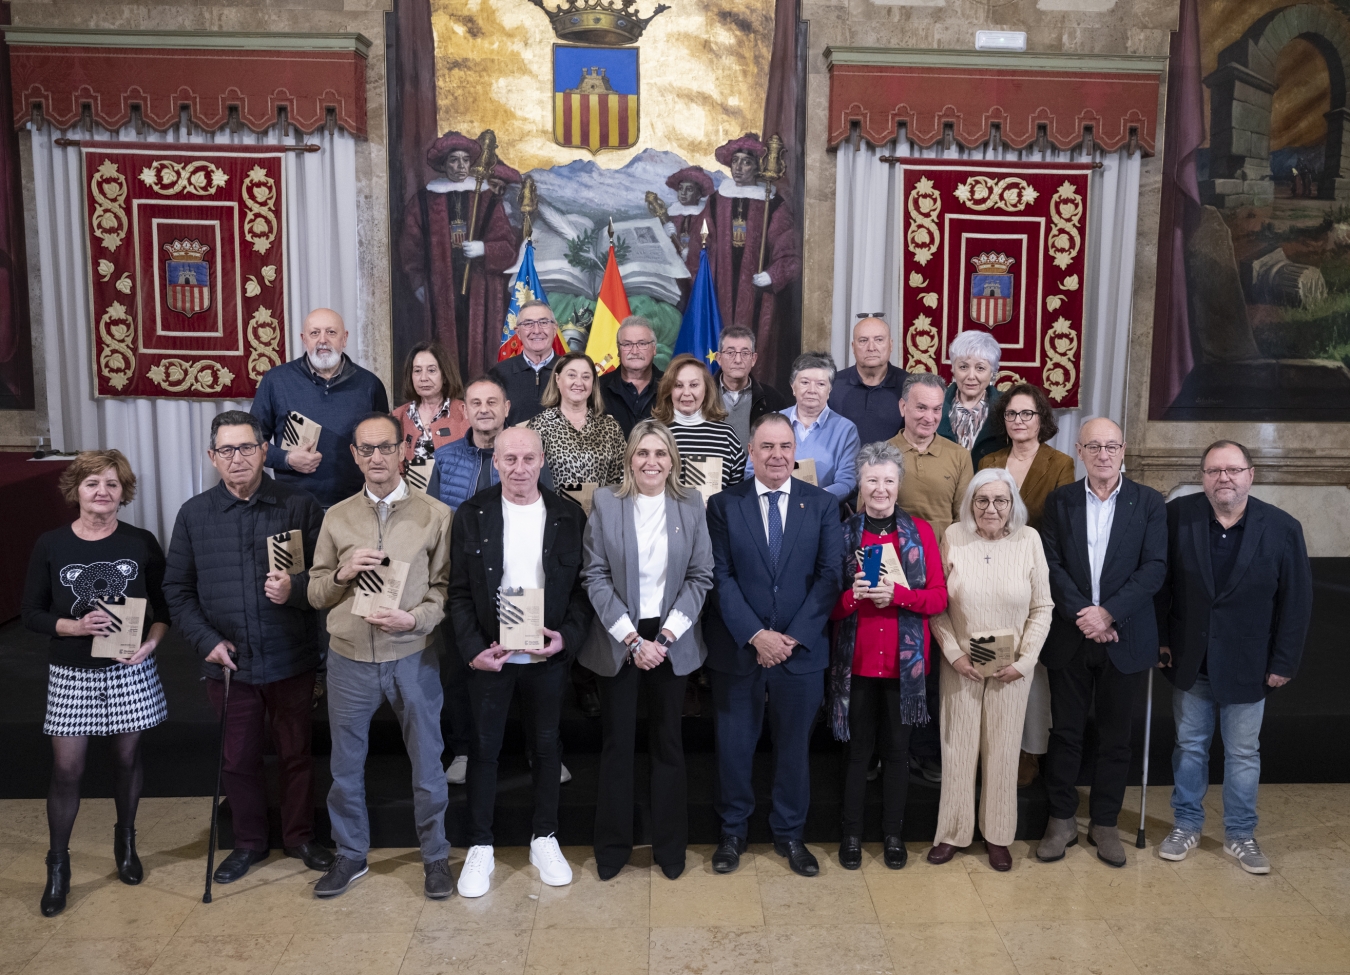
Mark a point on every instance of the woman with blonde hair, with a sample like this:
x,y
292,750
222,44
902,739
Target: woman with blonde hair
x,y
690,404
582,443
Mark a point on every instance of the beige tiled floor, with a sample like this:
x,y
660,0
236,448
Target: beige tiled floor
x,y
1200,917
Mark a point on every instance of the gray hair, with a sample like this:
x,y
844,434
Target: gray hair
x,y
1017,517
738,332
878,453
974,344
812,360
922,379
636,321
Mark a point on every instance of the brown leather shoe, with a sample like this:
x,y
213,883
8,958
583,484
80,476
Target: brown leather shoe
x,y
1028,769
999,857
941,853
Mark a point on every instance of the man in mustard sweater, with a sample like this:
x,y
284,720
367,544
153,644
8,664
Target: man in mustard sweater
x,y
383,654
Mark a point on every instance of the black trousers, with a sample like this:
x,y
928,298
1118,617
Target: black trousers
x,y
874,705
541,691
669,787
1090,680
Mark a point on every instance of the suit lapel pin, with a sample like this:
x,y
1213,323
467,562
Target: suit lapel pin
x,y
801,504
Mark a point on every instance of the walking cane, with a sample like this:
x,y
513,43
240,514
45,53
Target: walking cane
x,y
215,801
1143,788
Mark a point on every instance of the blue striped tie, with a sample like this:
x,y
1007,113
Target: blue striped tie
x,y
775,529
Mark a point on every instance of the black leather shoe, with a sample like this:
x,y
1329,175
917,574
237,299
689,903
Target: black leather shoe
x,y
607,871
799,858
236,865
58,883
672,870
850,852
590,704
894,853
728,854
124,854
314,855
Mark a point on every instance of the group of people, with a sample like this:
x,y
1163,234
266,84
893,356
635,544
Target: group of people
x,y
674,528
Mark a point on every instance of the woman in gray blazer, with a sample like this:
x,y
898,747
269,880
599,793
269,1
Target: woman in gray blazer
x,y
648,567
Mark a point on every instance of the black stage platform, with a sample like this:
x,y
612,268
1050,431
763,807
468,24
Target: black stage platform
x,y
1304,725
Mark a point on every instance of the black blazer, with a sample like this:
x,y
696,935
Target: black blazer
x,y
1258,624
1132,573
476,572
747,596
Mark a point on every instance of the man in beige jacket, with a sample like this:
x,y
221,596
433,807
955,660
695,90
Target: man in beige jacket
x,y
386,653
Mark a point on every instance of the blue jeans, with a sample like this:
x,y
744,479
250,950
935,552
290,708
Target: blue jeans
x,y
1240,725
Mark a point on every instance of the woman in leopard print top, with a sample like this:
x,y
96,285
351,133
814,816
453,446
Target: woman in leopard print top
x,y
582,443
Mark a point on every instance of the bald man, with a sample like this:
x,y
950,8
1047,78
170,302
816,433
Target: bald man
x,y
516,534
869,391
325,386
1105,539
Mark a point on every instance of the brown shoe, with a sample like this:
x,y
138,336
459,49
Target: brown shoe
x,y
1028,769
999,857
941,853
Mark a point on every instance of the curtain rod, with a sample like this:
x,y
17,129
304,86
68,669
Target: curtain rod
x,y
307,147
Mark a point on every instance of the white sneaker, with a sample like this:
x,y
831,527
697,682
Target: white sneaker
x,y
457,771
547,856
566,775
474,876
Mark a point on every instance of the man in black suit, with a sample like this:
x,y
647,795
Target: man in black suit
x,y
516,535
778,553
1105,539
1232,618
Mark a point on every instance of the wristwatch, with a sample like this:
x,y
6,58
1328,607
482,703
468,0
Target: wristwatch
x,y
662,640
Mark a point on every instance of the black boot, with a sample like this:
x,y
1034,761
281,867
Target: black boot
x,y
124,852
58,883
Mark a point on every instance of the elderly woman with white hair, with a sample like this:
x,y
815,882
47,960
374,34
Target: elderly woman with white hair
x,y
998,583
826,438
967,412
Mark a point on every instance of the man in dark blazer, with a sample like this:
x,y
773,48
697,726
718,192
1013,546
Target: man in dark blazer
x,y
778,554
1232,619
516,535
1105,540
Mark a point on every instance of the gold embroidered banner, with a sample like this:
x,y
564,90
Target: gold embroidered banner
x,y
187,268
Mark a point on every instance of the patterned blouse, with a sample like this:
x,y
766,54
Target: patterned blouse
x,y
593,454
425,447
966,423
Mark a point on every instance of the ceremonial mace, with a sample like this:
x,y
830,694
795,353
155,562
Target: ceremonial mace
x,y
487,160
657,208
771,172
529,205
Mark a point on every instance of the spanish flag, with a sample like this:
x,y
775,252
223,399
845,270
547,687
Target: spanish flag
x,y
611,308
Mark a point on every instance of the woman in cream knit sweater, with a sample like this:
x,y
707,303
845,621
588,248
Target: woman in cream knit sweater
x,y
997,579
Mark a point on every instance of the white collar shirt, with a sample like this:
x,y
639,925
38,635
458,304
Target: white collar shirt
x,y
1100,517
762,491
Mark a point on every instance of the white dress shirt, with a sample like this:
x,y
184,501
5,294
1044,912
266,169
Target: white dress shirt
x,y
649,520
1100,516
762,490
398,494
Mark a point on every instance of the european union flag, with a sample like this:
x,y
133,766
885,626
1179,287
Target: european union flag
x,y
701,328
526,287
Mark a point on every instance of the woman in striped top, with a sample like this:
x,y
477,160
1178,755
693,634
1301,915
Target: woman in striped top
x,y
689,403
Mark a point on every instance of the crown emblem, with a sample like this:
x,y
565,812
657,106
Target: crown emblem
x,y
610,23
991,263
187,250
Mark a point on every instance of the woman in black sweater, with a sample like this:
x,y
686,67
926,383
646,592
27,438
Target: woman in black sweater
x,y
75,571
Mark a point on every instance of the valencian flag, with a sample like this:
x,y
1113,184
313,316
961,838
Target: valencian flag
x,y
526,287
701,328
611,308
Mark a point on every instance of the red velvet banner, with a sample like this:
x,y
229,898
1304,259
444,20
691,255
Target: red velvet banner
x,y
187,268
1002,247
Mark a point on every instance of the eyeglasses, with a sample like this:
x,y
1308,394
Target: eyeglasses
x,y
368,449
1230,471
644,344
869,314
540,325
243,449
1000,504
1026,416
1095,448
733,354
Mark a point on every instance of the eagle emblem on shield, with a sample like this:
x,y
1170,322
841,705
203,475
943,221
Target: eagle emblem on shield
x,y
991,289
187,277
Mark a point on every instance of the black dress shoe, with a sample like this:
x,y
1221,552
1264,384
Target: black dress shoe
x,y
728,854
124,855
850,852
236,865
672,870
799,858
894,853
58,883
607,871
590,704
314,855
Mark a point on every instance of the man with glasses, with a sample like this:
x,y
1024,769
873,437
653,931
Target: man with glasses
x,y
259,625
384,654
1105,539
630,390
525,376
1232,618
746,398
868,392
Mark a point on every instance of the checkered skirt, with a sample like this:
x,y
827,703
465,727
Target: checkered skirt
x,y
110,700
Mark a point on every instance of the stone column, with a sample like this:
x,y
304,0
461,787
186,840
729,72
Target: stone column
x,y
1335,181
1239,139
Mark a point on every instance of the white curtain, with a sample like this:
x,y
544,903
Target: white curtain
x,y
867,255
166,439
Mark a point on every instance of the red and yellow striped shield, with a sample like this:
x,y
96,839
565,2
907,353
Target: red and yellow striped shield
x,y
595,97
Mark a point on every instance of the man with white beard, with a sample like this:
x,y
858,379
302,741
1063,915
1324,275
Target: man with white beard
x,y
325,386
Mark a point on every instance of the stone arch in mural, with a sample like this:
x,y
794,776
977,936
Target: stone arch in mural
x,y
1240,94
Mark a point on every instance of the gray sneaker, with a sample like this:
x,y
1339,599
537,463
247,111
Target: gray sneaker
x,y
341,875
1179,842
439,884
1247,854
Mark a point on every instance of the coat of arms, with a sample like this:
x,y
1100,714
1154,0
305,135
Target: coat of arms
x,y
187,277
991,289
